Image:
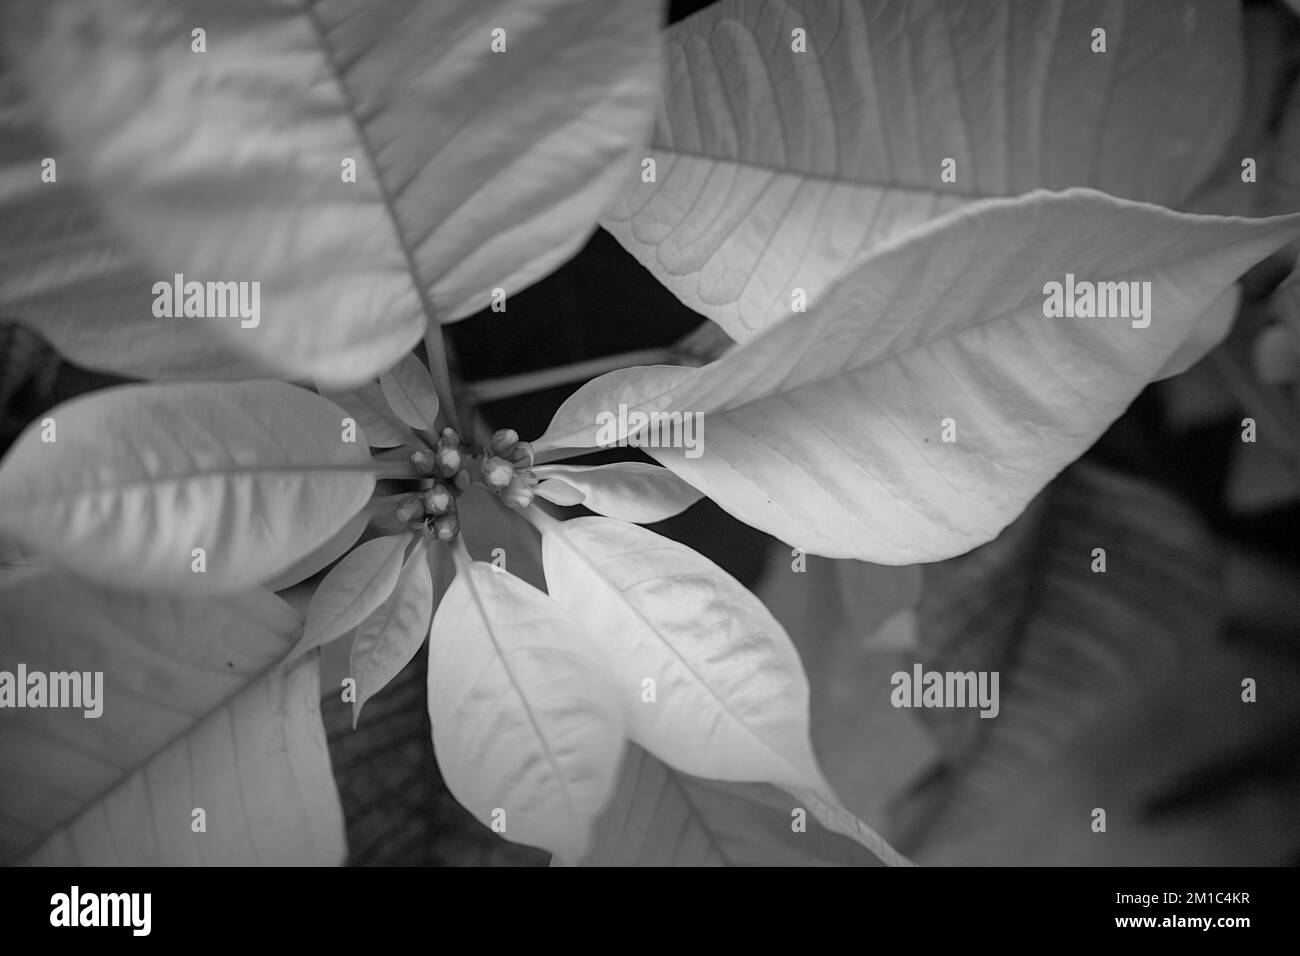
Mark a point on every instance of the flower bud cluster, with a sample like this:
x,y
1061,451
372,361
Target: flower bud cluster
x,y
434,508
507,469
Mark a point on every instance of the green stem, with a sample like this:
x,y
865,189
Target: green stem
x,y
508,386
435,348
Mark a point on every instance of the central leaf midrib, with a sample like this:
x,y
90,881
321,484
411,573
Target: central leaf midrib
x,y
111,487
519,692
649,403
281,660
350,110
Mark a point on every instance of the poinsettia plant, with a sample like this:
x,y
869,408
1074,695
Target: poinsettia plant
x,y
876,240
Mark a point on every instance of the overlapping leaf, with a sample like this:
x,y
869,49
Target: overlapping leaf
x,y
254,473
196,714
329,552
410,393
366,404
64,272
730,701
474,169
707,678
631,490
359,584
826,431
391,634
777,169
527,729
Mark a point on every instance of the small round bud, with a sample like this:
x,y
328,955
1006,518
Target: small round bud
x,y
504,440
410,508
449,461
449,438
438,500
463,481
497,472
518,494
521,456
446,527
425,462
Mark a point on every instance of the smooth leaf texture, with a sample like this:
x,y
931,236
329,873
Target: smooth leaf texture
x,y
473,170
559,492
825,431
408,387
629,490
324,556
524,718
359,584
63,272
778,169
197,712
391,634
366,404
659,816
707,678
731,700
254,473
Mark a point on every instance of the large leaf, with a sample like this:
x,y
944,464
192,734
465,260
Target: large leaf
x,y
398,810
474,170
391,634
707,679
196,713
62,271
527,728
826,430
777,169
630,490
659,816
254,473
730,699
